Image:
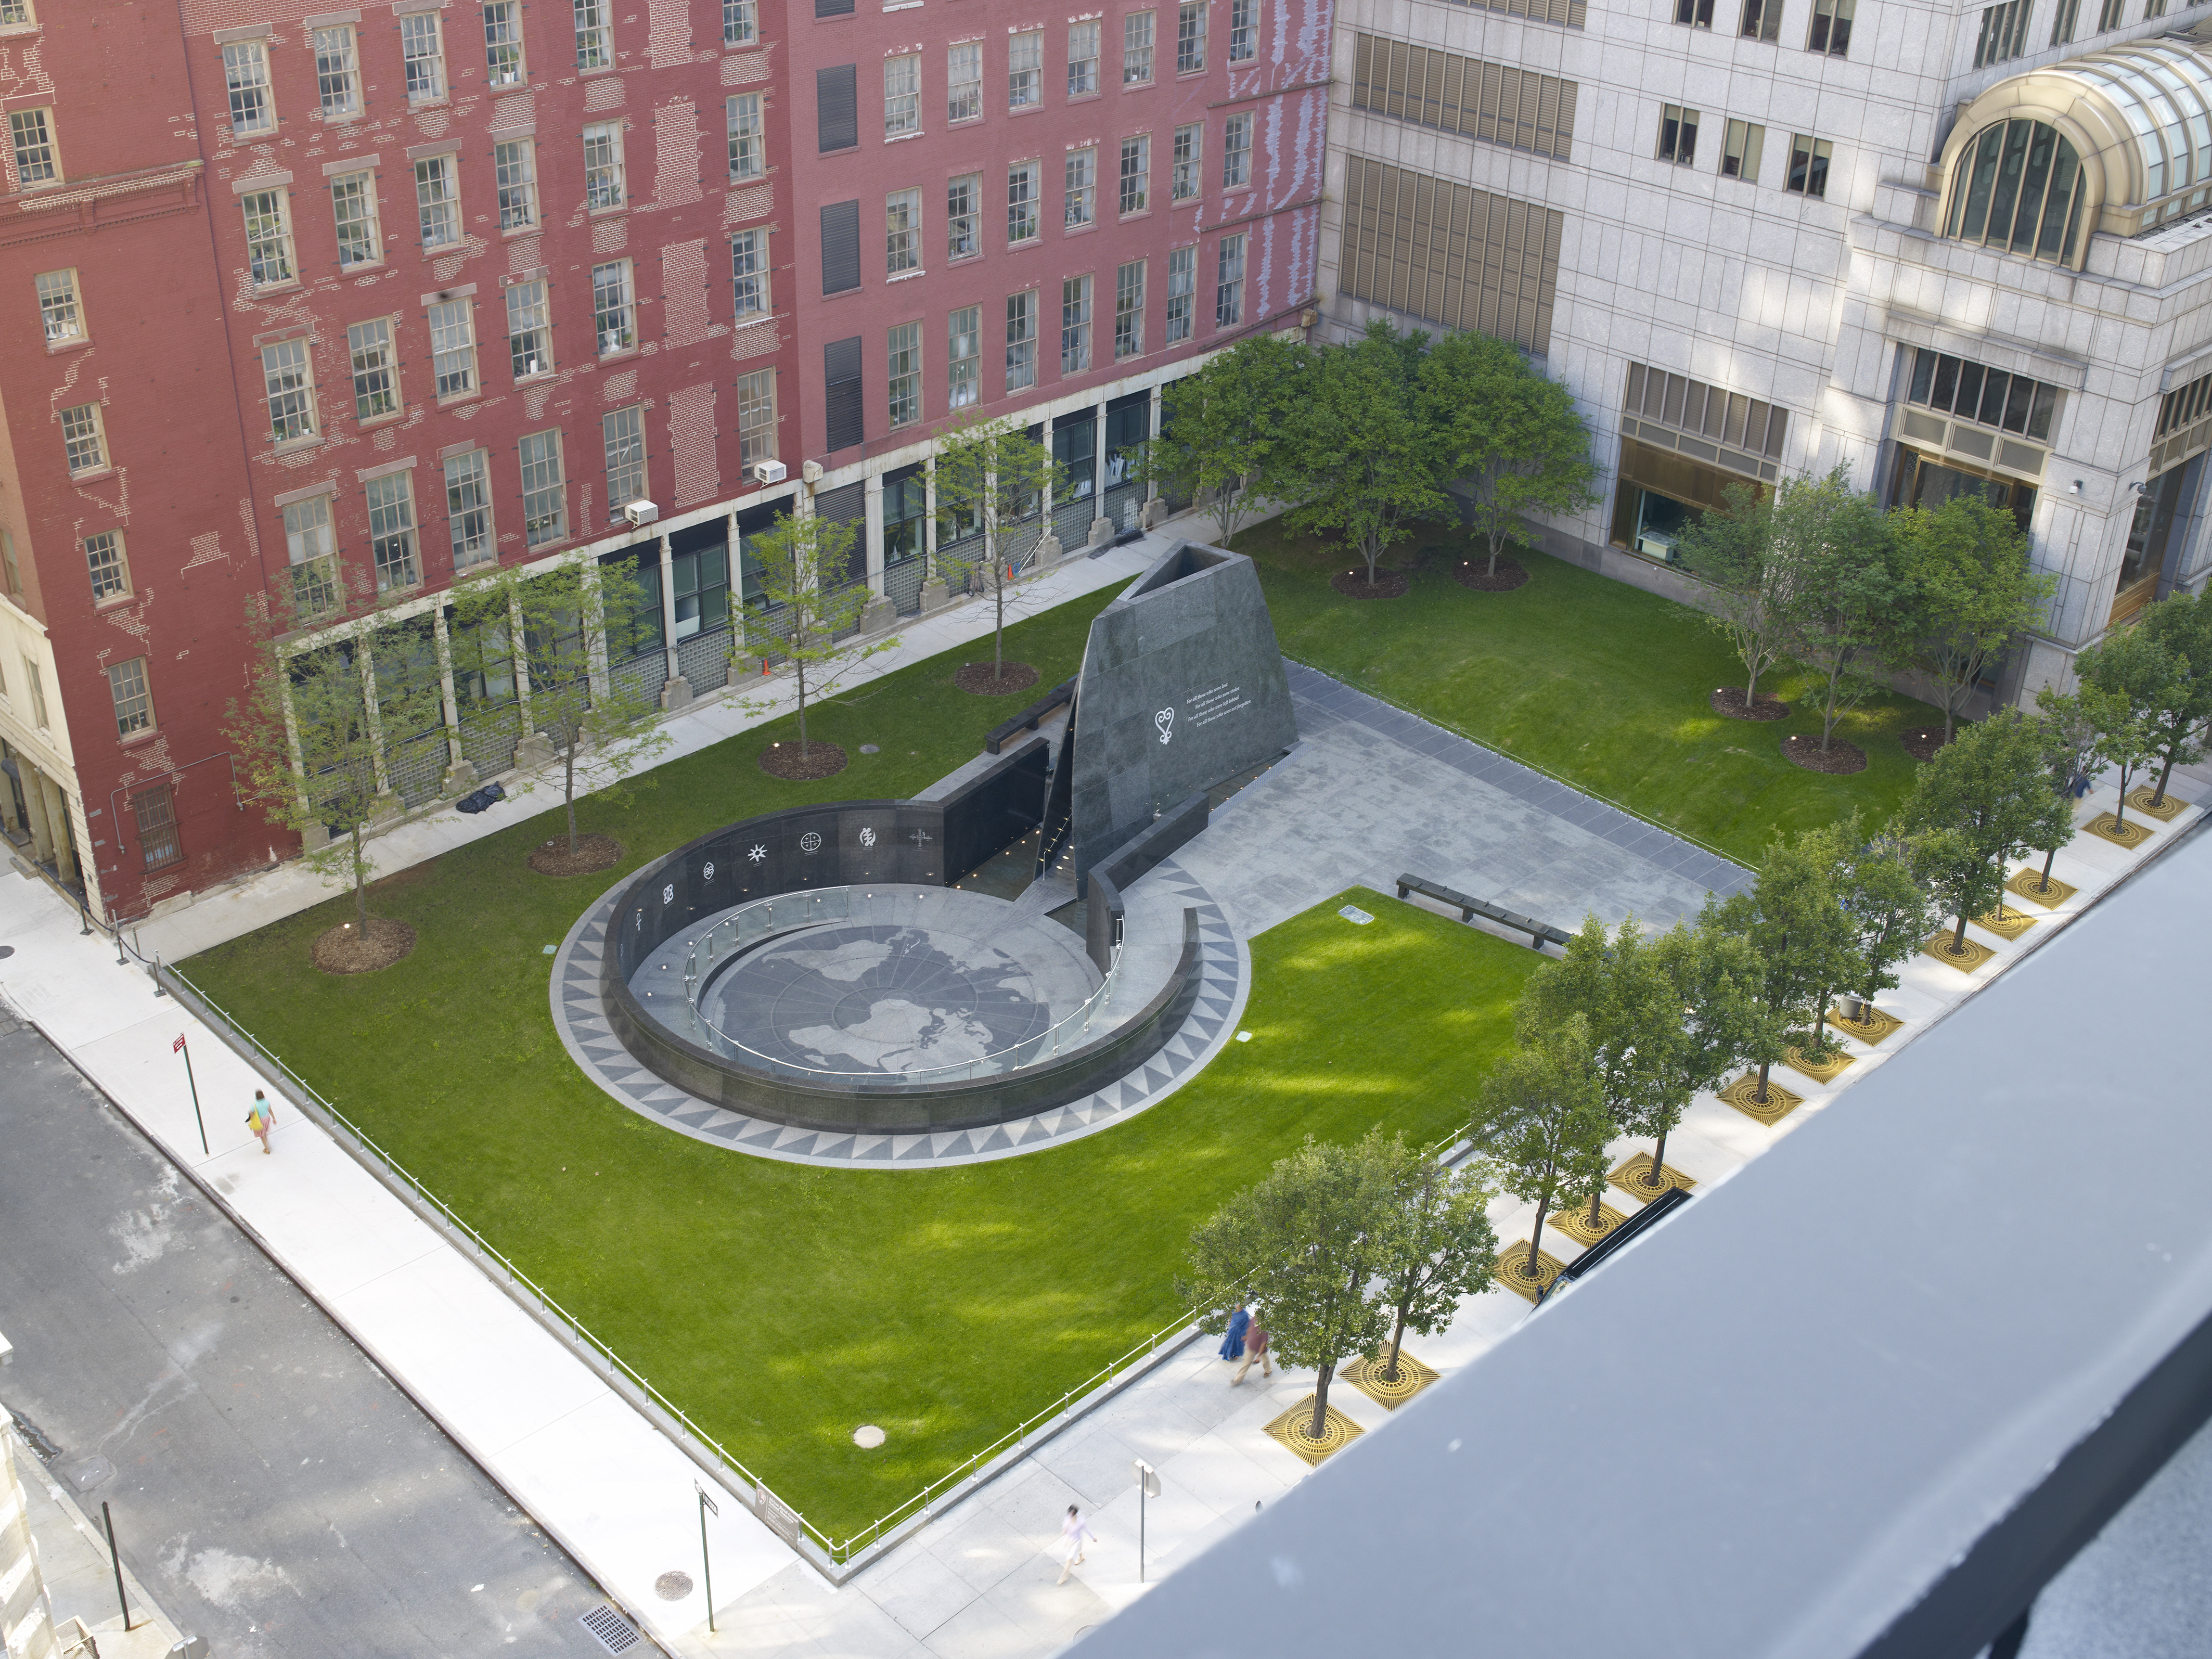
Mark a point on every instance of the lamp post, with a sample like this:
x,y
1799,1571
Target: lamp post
x,y
1148,1486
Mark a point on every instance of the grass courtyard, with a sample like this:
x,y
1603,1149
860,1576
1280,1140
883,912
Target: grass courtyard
x,y
782,1305
1598,683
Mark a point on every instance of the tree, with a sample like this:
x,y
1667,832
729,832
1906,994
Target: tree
x,y
1841,602
1303,1247
2182,624
804,572
1711,980
1990,792
1360,461
2144,684
1540,1118
1436,1244
2074,725
1222,429
992,474
1797,931
1513,436
1889,907
569,629
1731,549
1972,589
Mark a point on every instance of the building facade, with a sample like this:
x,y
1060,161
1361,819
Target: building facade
x,y
314,304
1949,249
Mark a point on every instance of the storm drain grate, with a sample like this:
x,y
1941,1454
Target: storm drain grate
x,y
616,1633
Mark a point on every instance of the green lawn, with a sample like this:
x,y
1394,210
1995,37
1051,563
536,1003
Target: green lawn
x,y
781,1305
1597,683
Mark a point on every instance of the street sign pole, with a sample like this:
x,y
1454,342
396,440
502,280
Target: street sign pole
x,y
1148,1486
185,1049
707,1507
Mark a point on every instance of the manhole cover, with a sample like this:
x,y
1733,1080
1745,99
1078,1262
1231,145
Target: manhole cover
x,y
867,1437
616,1633
673,1586
1352,913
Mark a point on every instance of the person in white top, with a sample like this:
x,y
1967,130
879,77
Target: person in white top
x,y
1073,1534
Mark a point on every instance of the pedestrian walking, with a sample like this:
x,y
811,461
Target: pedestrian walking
x,y
1073,1534
1256,1347
261,1119
1232,1346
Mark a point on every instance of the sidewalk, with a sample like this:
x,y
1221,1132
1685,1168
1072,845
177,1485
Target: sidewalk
x,y
79,1574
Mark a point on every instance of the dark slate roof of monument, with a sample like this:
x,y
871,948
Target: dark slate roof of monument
x,y
1863,1398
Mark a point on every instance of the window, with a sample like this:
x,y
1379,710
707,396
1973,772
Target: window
x,y
1808,165
514,167
1021,341
2114,14
353,209
289,380
468,507
749,273
529,333
1025,69
1243,31
307,542
438,200
15,13
595,35
1129,311
134,703
1236,152
845,419
1022,201
1832,27
748,158
1229,288
246,72
1082,187
963,352
375,382
1678,135
2063,22
1698,13
613,315
58,311
1183,279
757,417
1082,59
901,232
901,96
544,501
32,133
503,30
422,56
1989,397
1136,48
836,108
1190,37
30,678
840,248
603,165
1762,20
1189,152
84,440
391,531
962,237
1075,325
905,373
104,562
1494,102
453,347
268,237
963,80
158,843
1136,174
2019,188
11,576
1740,151
624,434
740,23
2003,33
337,72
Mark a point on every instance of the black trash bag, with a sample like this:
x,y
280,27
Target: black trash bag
x,y
482,798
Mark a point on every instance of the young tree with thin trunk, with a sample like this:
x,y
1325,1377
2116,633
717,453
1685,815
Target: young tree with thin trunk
x,y
1797,930
1844,616
1991,790
2073,725
1972,592
1699,1035
570,629
1222,429
2144,683
1889,904
1360,460
804,570
1303,1247
1540,1118
992,475
1513,436
1438,1244
1731,549
2182,624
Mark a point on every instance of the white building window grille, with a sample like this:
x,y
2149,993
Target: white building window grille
x,y
268,237
245,76
515,170
1190,37
1083,58
1745,434
84,440
1831,33
963,352
740,23
1696,14
1129,311
1992,397
59,312
504,65
438,200
749,273
1741,148
1236,152
623,432
453,347
468,507
1082,177
1182,283
1761,21
1075,325
595,35
1189,156
1229,285
1025,69
422,56
2019,188
15,13
353,211
1136,48
544,496
1808,165
1021,341
289,380
134,702
963,80
337,71
901,232
963,223
603,166
1136,174
529,330
105,565
748,158
31,132
1243,31
1022,194
614,311
901,94
1678,135
36,683
392,532
309,547
375,378
903,378
757,417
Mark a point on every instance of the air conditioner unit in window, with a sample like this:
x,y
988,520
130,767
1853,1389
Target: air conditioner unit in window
x,y
768,472
640,512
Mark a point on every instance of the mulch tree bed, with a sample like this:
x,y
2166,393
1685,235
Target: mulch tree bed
x,y
978,678
345,950
553,858
1922,741
1387,585
782,760
1475,574
1841,759
1728,700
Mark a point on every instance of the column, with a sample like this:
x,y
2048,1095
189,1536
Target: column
x,y
1102,527
460,776
934,595
676,693
58,828
743,663
879,615
35,797
1152,514
387,804
8,817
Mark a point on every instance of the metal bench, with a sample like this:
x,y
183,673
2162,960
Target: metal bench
x,y
1028,720
1540,932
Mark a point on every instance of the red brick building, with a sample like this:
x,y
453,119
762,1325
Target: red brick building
x,y
295,296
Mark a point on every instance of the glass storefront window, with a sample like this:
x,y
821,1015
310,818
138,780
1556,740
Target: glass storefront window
x,y
703,589
1075,446
905,506
1924,482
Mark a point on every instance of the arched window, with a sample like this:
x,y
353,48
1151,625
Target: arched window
x,y
2019,188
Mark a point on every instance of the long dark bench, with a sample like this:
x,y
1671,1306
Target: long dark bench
x,y
1028,718
1540,932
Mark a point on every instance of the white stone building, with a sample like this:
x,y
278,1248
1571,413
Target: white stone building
x,y
1951,249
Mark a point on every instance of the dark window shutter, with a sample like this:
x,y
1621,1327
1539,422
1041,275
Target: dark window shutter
x,y
841,247
836,108
833,8
850,504
840,401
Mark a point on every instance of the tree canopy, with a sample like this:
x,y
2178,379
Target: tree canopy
x,y
1972,592
1512,437
1362,462
1225,432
